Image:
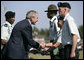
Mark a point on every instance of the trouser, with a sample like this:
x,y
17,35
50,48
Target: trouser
x,y
51,55
61,53
54,53
3,53
26,56
67,52
5,58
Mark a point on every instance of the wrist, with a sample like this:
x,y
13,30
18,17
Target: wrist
x,y
45,45
72,51
39,48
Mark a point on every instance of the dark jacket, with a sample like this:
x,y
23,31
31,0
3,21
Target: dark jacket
x,y
21,37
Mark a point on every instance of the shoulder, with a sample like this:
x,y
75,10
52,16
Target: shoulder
x,y
21,24
70,18
55,20
4,26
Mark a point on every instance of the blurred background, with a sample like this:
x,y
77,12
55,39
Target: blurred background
x,y
41,29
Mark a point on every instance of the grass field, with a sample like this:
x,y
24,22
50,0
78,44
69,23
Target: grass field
x,y
81,55
39,56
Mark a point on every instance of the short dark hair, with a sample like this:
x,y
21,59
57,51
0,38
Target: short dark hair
x,y
9,14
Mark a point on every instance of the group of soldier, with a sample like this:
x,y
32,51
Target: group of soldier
x,y
63,34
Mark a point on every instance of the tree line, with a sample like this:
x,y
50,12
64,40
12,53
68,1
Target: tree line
x,y
45,32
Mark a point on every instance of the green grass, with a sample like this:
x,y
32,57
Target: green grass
x,y
39,56
81,54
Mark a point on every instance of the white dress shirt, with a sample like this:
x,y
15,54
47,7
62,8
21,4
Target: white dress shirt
x,y
69,28
6,30
59,36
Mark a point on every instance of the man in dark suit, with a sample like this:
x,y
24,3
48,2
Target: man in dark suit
x,y
21,37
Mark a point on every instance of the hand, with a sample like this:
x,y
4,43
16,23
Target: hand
x,y
72,54
34,51
42,44
44,51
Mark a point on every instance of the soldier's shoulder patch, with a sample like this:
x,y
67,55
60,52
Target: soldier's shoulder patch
x,y
54,19
5,25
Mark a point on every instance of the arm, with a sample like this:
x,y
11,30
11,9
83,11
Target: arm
x,y
3,41
48,44
74,45
74,33
27,33
4,35
52,46
56,44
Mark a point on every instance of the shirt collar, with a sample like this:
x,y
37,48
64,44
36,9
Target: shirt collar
x,y
8,23
29,22
53,18
66,16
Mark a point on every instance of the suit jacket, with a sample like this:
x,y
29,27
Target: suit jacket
x,y
21,37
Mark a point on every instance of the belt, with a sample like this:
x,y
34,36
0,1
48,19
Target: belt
x,y
68,45
51,40
63,46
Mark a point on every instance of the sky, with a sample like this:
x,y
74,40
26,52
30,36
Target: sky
x,y
22,7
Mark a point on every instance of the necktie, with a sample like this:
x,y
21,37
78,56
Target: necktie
x,y
63,21
50,24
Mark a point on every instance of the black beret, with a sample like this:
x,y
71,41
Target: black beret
x,y
9,14
65,4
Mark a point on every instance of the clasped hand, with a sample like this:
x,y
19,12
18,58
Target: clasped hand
x,y
42,45
44,50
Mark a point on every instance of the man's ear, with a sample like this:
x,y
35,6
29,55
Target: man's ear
x,y
30,19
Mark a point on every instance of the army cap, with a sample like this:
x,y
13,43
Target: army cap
x,y
52,7
65,4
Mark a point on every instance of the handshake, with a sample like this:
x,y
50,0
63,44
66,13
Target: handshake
x,y
45,48
42,51
43,45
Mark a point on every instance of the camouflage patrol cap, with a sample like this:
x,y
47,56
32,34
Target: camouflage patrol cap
x,y
52,7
